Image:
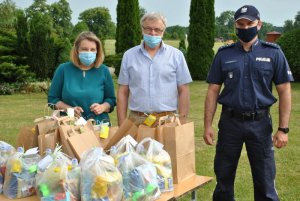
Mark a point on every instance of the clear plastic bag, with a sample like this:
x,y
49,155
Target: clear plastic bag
x,y
125,145
6,150
20,174
59,178
100,179
139,177
154,152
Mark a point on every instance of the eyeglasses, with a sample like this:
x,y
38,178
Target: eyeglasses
x,y
156,30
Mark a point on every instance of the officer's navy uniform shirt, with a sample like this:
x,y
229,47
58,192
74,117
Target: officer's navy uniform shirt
x,y
248,76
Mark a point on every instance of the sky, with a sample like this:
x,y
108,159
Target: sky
x,y
177,11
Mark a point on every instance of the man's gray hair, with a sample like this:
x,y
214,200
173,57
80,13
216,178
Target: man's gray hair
x,y
154,16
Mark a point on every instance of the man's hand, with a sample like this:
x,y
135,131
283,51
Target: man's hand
x,y
208,136
280,139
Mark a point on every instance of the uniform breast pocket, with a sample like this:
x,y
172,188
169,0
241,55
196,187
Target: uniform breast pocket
x,y
231,73
263,71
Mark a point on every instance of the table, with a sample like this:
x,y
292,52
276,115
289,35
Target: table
x,y
187,186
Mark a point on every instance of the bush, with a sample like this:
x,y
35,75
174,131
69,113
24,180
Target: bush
x,y
290,45
114,61
6,89
11,73
182,46
35,87
24,87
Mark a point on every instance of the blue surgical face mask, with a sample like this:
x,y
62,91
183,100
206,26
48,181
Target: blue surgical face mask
x,y
152,41
246,35
87,58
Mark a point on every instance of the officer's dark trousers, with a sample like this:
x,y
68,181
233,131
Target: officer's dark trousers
x,y
257,136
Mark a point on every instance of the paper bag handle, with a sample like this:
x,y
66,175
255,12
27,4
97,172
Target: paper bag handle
x,y
169,119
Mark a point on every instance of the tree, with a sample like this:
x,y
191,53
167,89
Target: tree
x,y
42,49
63,47
182,46
142,12
38,6
99,21
201,38
7,14
175,32
297,21
225,25
21,27
61,15
10,71
128,33
288,26
13,68
290,45
267,27
78,28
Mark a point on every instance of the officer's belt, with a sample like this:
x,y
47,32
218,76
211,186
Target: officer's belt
x,y
246,115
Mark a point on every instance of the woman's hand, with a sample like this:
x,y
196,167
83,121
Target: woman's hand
x,y
99,108
78,110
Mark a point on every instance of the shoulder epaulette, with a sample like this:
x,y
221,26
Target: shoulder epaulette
x,y
225,46
270,44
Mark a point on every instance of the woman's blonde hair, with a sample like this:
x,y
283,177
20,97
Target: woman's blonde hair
x,y
91,37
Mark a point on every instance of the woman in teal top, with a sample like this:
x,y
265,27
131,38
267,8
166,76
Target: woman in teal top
x,y
84,84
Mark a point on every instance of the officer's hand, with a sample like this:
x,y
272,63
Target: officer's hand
x,y
280,139
208,136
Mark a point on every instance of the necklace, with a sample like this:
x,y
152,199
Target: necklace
x,y
83,73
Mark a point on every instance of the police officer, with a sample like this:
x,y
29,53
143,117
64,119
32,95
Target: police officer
x,y
247,69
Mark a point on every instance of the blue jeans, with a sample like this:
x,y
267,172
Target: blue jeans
x,y
257,136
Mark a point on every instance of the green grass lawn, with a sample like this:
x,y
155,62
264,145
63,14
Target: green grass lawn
x,y
110,45
21,109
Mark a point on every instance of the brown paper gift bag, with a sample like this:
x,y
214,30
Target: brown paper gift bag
x,y
178,140
27,138
81,141
127,128
46,125
48,140
66,125
145,131
63,133
47,133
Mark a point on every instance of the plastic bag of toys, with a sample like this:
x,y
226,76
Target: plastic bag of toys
x,y
58,177
139,177
100,179
20,173
154,152
6,150
125,145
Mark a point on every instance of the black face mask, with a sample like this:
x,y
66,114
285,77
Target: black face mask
x,y
246,35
